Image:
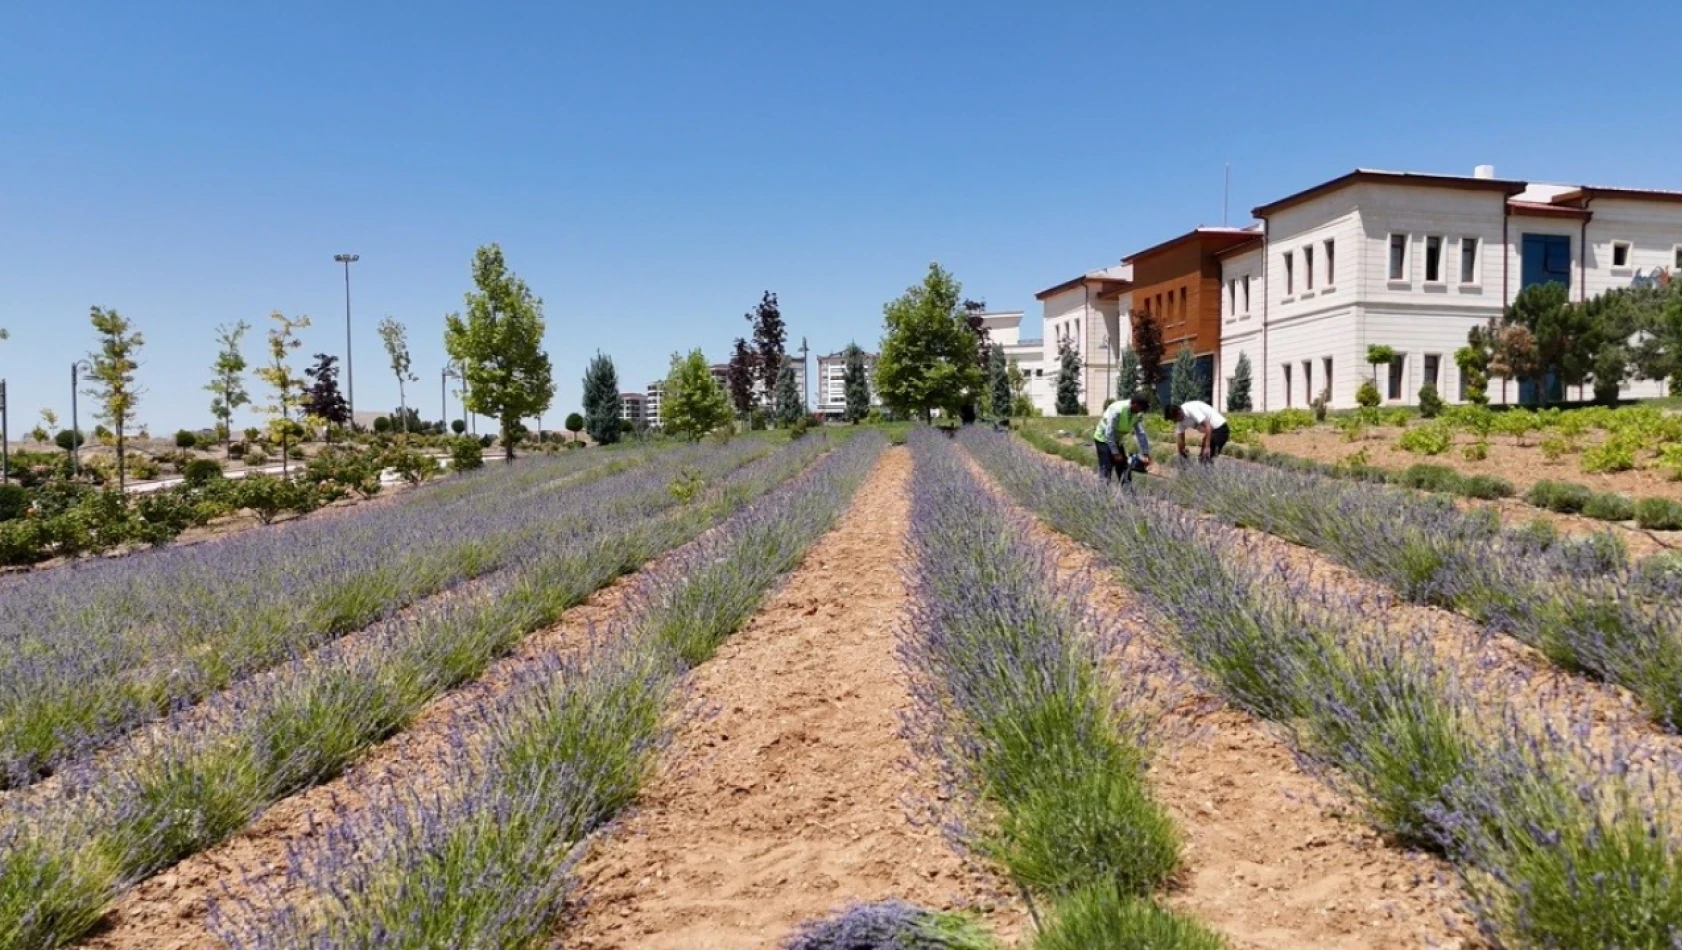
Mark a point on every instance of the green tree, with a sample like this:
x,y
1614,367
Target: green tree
x,y
227,379
788,405
1473,360
1184,385
1238,387
395,336
998,381
1513,353
1379,355
693,404
928,358
1021,405
1147,341
601,400
113,376
1127,377
575,424
855,384
1068,380
499,345
1560,330
287,387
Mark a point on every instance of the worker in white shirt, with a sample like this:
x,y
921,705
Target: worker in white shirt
x,y
1201,416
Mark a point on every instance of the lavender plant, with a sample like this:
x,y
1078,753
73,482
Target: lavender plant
x,y
483,860
214,769
890,925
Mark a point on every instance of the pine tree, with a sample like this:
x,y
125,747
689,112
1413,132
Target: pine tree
x,y
788,404
998,381
740,376
693,404
855,383
113,371
322,399
1238,387
770,338
601,400
1184,386
1127,379
1068,380
1147,340
499,345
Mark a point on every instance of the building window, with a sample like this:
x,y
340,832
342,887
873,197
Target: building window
x,y
1675,259
1247,282
1232,297
1433,259
1468,260
1326,374
1290,284
1183,303
1396,366
1331,263
1620,253
1307,380
1287,369
1398,256
1432,361
1308,267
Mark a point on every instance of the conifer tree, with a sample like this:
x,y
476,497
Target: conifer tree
x,y
601,400
1238,386
1184,386
1068,380
998,381
1127,378
855,383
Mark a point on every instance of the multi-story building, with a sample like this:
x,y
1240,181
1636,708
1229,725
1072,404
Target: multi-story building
x,y
652,397
633,407
1178,282
832,383
1004,327
1087,312
1415,261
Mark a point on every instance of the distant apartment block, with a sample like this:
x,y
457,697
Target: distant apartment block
x,y
832,383
651,402
633,407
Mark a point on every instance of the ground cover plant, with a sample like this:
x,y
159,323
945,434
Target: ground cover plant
x,y
1558,841
890,925
1041,757
209,774
98,648
482,858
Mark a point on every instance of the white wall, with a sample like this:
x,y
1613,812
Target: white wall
x,y
1653,230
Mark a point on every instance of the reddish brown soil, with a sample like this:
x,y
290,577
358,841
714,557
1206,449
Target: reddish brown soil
x,y
1272,858
1522,465
789,801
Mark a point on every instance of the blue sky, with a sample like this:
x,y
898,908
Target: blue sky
x,y
650,168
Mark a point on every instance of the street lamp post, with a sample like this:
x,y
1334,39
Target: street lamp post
x,y
350,371
75,425
804,405
5,439
449,372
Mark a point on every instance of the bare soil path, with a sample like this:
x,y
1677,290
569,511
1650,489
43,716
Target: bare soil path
x,y
1272,859
787,801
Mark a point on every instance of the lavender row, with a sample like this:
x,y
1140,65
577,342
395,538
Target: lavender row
x,y
1040,754
1581,603
1557,840
208,775
237,610
483,859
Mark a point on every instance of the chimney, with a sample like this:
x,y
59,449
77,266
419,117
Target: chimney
x,y
1484,171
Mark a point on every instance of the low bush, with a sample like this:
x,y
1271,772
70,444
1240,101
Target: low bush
x,y
1476,452
1098,917
1538,534
337,472
186,439
1613,455
14,501
1367,395
199,471
890,923
1430,403
1486,487
1433,438
269,497
411,466
1659,514
1564,497
1610,506
466,455
1439,478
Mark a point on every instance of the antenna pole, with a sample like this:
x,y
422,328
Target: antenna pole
x,y
1226,193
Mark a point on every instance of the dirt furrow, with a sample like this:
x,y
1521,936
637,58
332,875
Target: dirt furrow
x,y
786,797
1272,858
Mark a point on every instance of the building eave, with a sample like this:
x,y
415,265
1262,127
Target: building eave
x,y
1221,236
1536,209
1375,176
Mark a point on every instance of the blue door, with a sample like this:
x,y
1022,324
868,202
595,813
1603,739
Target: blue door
x,y
1547,259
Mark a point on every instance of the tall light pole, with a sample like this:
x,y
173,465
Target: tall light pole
x,y
350,371
449,372
75,425
804,406
5,439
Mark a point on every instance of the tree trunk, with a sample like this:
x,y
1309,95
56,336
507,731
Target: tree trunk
x,y
122,474
507,442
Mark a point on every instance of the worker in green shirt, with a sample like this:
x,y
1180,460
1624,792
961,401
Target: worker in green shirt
x,y
1118,418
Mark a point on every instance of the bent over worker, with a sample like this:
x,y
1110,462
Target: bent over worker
x,y
1118,418
1193,414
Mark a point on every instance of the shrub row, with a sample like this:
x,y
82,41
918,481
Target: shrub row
x,y
1425,477
1557,841
483,860
1041,756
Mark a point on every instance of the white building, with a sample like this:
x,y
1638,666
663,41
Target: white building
x,y
1414,261
633,407
832,383
655,392
1004,327
1087,311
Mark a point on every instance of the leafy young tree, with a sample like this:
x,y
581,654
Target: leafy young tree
x,y
575,425
770,341
1147,344
740,375
601,400
322,398
1513,353
788,407
998,381
1184,385
1238,387
288,389
1068,380
855,385
499,344
1127,376
1378,355
1559,330
227,379
928,358
113,376
1473,360
1020,404
693,404
395,336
